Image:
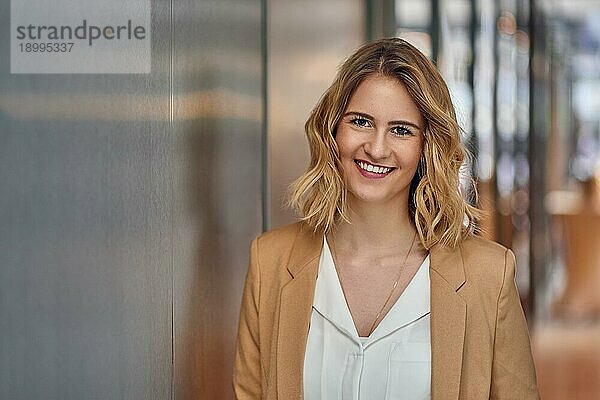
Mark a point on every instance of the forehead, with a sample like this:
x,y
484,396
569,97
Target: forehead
x,y
384,98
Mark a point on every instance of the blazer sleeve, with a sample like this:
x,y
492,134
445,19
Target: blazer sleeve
x,y
513,370
246,369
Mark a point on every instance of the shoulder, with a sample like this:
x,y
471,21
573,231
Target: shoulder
x,y
279,238
485,261
281,234
274,246
477,248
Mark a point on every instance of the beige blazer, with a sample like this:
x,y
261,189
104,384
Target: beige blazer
x,y
480,346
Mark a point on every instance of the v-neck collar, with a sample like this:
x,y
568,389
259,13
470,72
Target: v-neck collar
x,y
330,302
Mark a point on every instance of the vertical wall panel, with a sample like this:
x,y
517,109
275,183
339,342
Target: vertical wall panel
x,y
308,40
217,89
85,230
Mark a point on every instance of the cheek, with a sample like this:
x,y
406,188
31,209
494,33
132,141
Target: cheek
x,y
418,149
409,154
416,156
345,142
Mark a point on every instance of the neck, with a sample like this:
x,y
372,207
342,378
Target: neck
x,y
375,227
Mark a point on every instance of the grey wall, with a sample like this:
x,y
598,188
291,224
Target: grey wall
x,y
217,195
85,231
127,205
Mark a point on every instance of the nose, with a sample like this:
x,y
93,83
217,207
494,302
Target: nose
x,y
376,146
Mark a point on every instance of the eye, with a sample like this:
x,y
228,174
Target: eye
x,y
401,131
359,121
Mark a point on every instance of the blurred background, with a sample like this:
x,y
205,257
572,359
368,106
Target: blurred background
x,y
128,202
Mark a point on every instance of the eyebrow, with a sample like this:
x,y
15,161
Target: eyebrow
x,y
401,122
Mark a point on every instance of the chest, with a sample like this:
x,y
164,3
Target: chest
x,y
393,361
397,365
372,286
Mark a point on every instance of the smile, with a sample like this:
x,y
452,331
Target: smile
x,y
372,171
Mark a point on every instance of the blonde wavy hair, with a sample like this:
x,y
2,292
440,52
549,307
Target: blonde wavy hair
x,y
437,200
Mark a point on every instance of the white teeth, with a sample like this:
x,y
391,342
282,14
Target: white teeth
x,y
371,168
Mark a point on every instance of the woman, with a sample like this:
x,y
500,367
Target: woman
x,y
382,290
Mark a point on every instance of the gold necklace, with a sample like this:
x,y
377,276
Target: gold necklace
x,y
393,287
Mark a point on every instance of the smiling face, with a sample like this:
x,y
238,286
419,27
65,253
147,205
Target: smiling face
x,y
380,141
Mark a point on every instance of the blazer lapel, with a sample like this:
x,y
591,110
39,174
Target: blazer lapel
x,y
448,317
295,311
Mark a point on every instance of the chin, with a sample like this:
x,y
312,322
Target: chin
x,y
368,197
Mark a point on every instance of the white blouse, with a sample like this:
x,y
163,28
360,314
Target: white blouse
x,y
393,363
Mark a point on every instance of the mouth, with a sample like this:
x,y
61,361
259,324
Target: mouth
x,y
372,171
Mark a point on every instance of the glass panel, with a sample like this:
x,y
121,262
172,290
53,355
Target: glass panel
x,y
85,232
414,23
303,60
